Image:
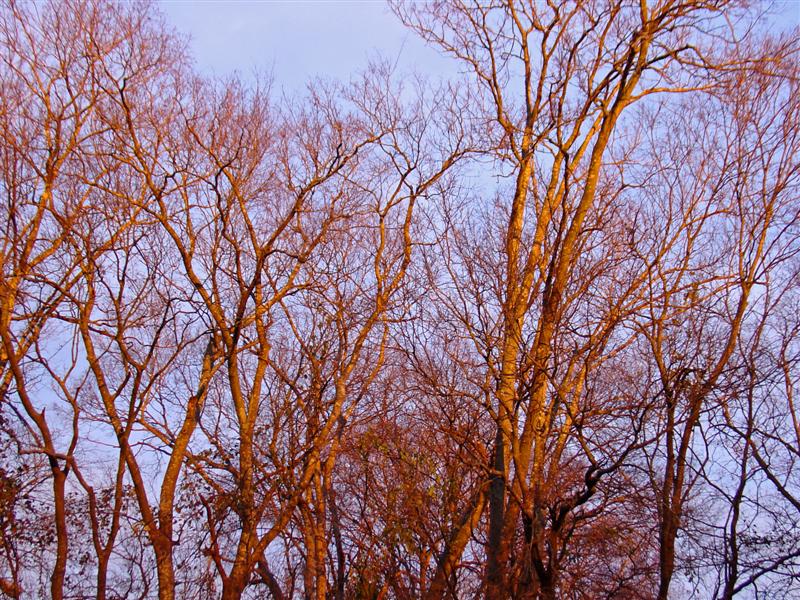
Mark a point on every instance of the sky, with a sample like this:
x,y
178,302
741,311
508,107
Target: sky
x,y
296,41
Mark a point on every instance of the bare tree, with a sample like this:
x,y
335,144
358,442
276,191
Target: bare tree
x,y
526,333
558,82
51,125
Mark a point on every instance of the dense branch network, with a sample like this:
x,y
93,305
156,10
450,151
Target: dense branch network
x,y
530,332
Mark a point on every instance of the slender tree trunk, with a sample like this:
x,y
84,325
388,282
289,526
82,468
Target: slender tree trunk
x,y
62,548
270,580
497,498
666,559
340,555
320,544
233,587
165,571
310,539
102,575
455,546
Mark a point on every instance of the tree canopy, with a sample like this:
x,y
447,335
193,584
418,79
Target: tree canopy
x,y
531,331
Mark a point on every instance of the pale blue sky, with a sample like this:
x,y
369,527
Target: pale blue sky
x,y
298,40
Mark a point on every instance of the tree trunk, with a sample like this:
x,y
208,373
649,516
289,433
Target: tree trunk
x,y
495,574
62,548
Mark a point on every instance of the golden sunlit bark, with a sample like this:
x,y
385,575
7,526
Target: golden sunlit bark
x,y
527,330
